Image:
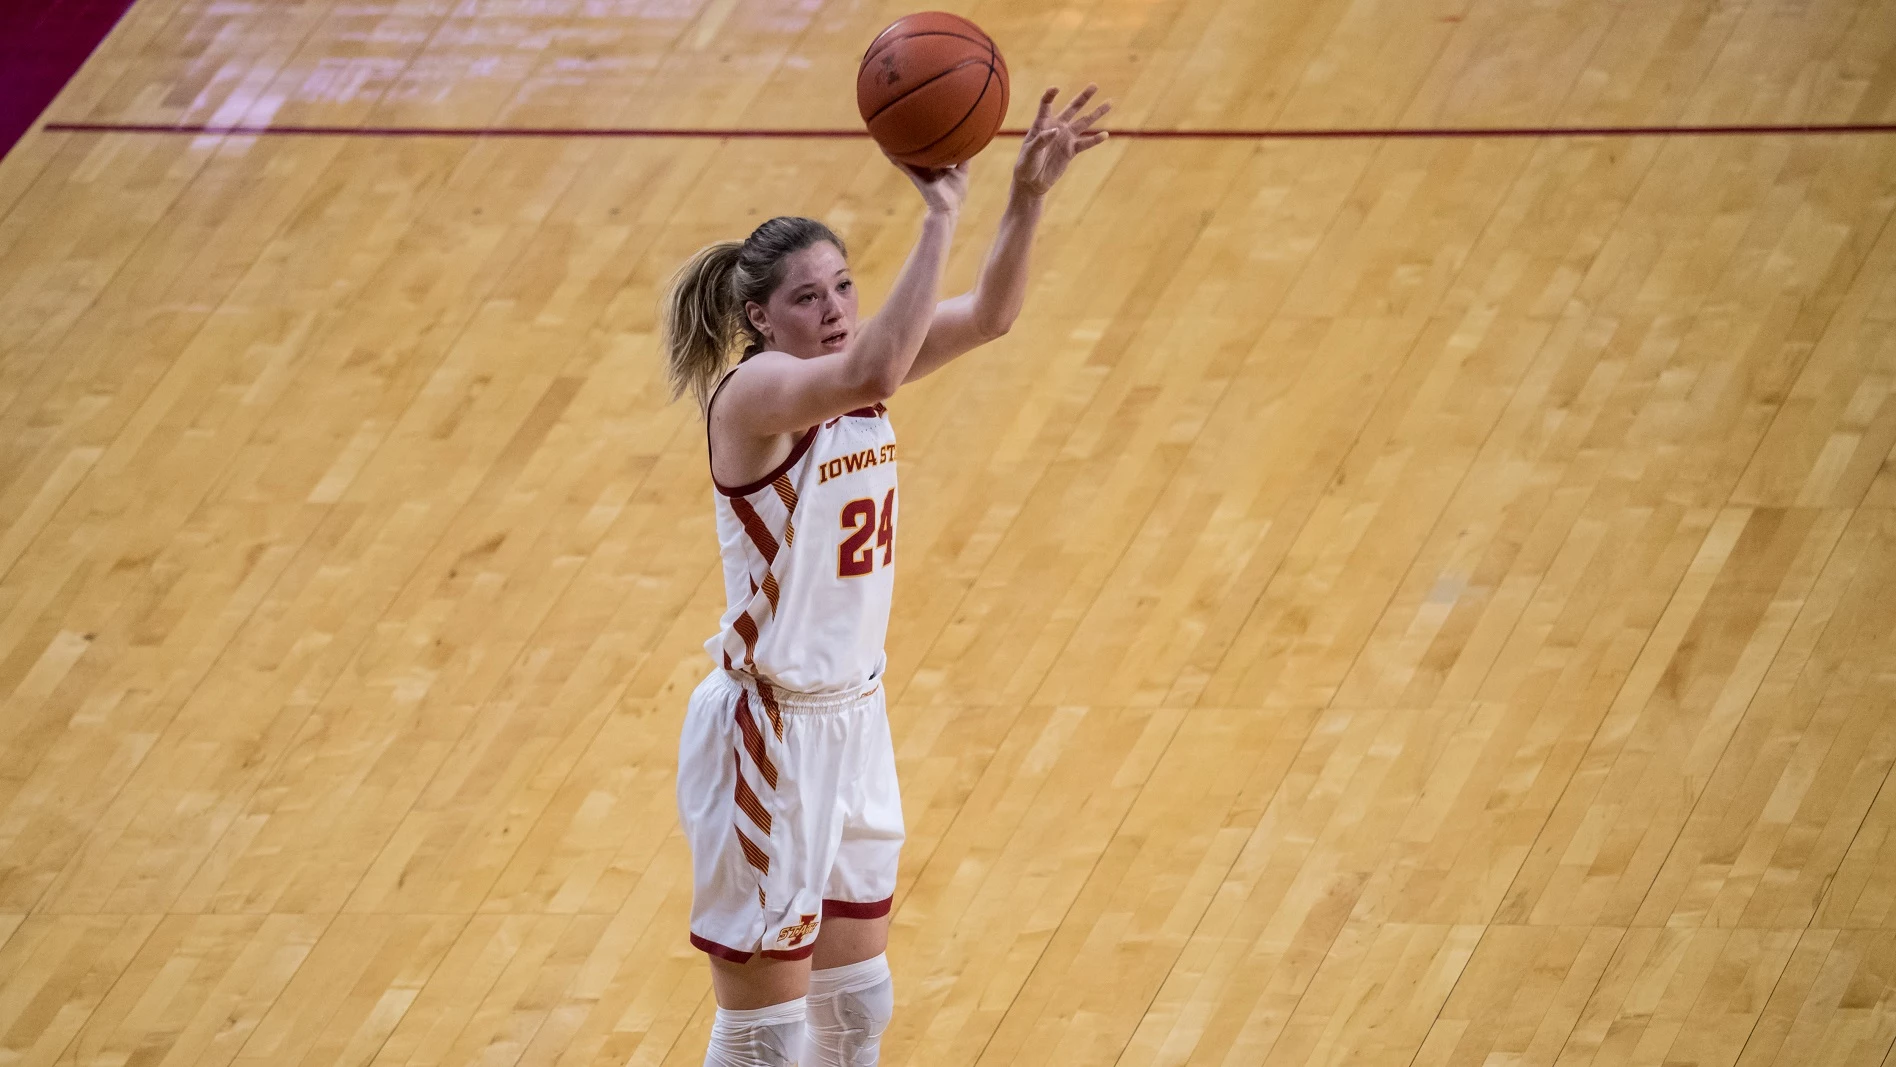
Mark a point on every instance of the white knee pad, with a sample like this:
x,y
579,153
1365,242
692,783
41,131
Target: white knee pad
x,y
849,1009
763,1037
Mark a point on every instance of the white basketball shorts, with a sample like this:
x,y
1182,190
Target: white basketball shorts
x,y
791,809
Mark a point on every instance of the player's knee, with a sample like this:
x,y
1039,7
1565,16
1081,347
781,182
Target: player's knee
x,y
849,1008
864,1014
763,1037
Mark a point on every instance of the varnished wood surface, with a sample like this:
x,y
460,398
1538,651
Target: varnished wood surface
x,y
1410,602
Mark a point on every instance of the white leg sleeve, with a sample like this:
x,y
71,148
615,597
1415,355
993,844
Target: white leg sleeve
x,y
762,1037
849,1008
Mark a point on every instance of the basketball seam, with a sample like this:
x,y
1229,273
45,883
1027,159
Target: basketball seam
x,y
984,86
993,54
874,51
943,74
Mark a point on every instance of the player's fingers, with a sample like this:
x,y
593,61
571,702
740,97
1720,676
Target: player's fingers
x,y
1046,105
1094,116
1089,141
1073,106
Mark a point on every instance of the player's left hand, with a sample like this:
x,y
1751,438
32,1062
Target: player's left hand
x,y
1053,140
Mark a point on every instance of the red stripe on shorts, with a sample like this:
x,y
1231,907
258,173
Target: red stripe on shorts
x,y
752,854
726,952
771,709
754,740
747,799
850,909
723,952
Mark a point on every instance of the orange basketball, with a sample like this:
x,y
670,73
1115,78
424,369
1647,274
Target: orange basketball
x,y
933,89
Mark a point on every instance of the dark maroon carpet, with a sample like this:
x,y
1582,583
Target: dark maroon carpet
x,y
42,44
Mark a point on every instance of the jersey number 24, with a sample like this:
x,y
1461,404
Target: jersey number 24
x,y
857,557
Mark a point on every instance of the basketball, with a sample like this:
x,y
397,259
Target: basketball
x,y
932,89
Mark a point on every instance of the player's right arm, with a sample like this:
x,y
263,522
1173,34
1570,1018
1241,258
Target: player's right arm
x,y
779,393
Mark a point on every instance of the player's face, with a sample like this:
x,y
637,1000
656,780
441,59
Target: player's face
x,y
814,311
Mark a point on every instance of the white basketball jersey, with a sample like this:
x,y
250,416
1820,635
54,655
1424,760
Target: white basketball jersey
x,y
809,560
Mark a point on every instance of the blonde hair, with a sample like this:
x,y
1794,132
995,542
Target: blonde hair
x,y
703,315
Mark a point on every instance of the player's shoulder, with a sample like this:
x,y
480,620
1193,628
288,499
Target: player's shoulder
x,y
754,376
760,364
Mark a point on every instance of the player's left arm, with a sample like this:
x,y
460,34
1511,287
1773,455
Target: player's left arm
x,y
968,321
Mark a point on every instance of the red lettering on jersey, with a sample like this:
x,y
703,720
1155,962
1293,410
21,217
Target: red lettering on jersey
x,y
885,531
855,557
854,461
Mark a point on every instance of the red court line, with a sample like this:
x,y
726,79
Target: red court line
x,y
818,134
440,131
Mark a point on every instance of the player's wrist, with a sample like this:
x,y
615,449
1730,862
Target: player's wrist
x,y
1025,196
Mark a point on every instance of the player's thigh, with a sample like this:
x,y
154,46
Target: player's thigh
x,y
847,941
760,982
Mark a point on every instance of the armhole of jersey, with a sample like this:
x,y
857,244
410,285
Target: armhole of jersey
x,y
796,451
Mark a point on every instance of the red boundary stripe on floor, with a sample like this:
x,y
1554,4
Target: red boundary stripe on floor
x,y
1197,135
43,43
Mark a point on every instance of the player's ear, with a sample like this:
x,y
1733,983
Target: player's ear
x,y
759,318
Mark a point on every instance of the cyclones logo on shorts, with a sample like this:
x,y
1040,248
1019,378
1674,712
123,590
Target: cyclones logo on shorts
x,y
794,935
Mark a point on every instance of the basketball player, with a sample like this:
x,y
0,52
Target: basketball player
x,y
786,775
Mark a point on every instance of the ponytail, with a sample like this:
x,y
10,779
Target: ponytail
x,y
701,318
703,313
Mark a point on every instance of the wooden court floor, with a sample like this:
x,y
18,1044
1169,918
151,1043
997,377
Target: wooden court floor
x,y
1391,600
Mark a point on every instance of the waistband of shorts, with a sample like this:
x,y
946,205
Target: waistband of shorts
x,y
794,701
